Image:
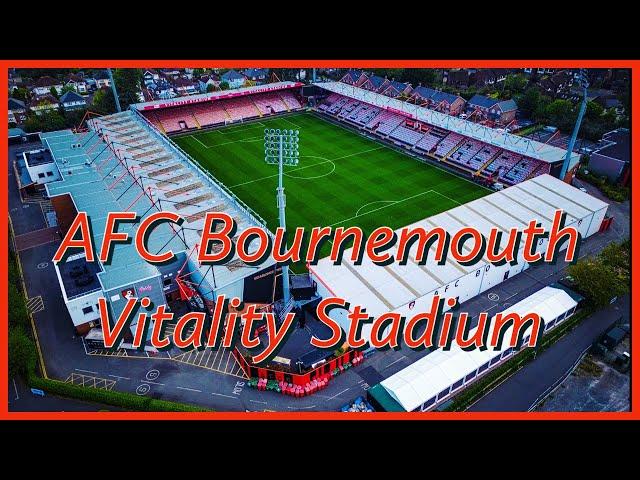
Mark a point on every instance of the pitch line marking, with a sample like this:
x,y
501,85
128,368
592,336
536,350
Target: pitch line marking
x,y
371,203
307,166
243,140
396,202
333,169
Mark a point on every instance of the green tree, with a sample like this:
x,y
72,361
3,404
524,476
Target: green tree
x,y
67,88
103,102
224,86
598,281
54,92
21,94
18,314
515,83
128,81
210,88
561,113
48,121
22,355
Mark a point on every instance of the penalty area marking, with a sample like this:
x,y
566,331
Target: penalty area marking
x,y
243,140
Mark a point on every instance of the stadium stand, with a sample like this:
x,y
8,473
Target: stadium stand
x,y
176,119
406,135
447,144
291,100
210,113
466,152
502,163
385,122
240,108
269,103
428,142
521,170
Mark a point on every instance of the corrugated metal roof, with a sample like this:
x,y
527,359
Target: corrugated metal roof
x,y
99,183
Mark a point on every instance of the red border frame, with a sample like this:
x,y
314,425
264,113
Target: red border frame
x,y
634,414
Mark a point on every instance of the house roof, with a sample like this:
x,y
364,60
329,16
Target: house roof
x,y
439,96
620,147
16,132
482,101
75,78
376,80
232,75
44,99
508,105
424,92
256,72
101,75
15,104
354,75
46,81
71,97
398,86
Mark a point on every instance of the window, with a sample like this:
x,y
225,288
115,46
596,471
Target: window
x,y
469,377
443,394
428,403
456,385
483,368
494,361
49,174
41,175
87,310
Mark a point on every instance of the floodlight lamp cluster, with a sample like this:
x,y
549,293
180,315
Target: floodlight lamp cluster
x,y
274,139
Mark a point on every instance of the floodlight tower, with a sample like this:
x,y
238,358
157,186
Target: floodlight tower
x,y
281,147
584,83
113,89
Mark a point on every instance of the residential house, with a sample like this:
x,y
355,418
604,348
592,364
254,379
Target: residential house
x,y
150,76
102,79
614,159
72,101
375,83
233,78
396,89
43,86
354,77
256,75
441,101
17,111
502,111
206,80
184,86
43,104
457,77
78,83
490,76
557,85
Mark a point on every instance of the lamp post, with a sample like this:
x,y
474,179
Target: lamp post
x,y
281,147
584,84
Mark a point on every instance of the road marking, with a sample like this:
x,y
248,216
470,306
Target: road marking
x,y
296,408
118,376
258,401
153,383
338,394
226,396
85,371
395,361
16,389
189,389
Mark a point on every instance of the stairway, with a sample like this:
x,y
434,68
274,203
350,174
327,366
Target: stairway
x,y
487,163
196,120
285,103
256,106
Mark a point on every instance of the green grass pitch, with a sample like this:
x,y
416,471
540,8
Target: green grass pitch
x,y
343,178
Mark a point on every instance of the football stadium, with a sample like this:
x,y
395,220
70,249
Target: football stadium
x,y
366,158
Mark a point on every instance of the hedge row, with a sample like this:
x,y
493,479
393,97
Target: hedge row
x,y
480,388
616,193
124,400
